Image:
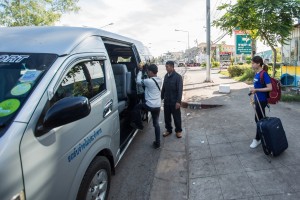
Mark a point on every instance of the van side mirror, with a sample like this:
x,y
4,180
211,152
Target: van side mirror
x,y
64,111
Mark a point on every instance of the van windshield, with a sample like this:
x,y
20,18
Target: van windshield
x,y
19,74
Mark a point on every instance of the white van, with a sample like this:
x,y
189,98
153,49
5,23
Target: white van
x,y
66,95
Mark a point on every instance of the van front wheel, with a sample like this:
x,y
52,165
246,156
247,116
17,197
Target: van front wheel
x,y
96,181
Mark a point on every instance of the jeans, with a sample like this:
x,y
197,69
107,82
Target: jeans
x,y
171,110
260,115
155,118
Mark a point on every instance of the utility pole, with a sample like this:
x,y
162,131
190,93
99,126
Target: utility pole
x,y
208,41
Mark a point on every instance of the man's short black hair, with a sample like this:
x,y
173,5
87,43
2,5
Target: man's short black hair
x,y
170,62
153,68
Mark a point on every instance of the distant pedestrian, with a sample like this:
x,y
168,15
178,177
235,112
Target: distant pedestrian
x,y
171,93
261,88
152,100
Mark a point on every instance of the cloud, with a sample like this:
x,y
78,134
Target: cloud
x,y
150,21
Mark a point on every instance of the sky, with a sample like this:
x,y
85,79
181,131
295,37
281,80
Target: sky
x,y
152,22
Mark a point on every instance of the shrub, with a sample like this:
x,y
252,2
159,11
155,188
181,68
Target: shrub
x,y
248,59
215,64
203,64
248,74
240,63
235,71
277,66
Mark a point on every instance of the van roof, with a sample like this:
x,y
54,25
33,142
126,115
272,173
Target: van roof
x,y
51,39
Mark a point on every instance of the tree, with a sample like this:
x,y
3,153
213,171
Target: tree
x,y
33,12
269,21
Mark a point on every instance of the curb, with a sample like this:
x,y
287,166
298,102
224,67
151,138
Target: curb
x,y
198,106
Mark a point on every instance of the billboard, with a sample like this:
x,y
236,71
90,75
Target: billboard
x,y
225,56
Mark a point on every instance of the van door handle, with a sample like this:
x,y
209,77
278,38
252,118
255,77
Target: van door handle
x,y
108,108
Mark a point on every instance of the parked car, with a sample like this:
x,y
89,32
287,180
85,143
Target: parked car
x,y
181,63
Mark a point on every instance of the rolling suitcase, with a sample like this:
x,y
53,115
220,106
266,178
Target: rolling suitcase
x,y
272,134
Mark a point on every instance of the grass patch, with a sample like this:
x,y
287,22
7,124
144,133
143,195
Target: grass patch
x,y
290,97
224,72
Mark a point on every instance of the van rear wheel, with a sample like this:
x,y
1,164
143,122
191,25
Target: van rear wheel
x,y
96,181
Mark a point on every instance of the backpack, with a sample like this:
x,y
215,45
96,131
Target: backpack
x,y
274,95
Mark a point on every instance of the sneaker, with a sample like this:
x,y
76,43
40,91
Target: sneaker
x,y
156,145
179,134
255,143
166,133
133,125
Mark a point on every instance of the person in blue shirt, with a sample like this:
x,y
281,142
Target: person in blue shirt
x,y
261,89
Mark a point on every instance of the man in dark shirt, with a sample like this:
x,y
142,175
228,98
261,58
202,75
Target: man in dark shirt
x,y
171,93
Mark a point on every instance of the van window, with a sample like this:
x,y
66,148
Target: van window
x,y
19,75
124,59
84,79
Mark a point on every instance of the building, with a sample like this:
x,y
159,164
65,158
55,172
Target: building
x,y
291,50
291,58
215,50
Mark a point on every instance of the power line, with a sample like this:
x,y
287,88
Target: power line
x,y
219,12
215,9
220,38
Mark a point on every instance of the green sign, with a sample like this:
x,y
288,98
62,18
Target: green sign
x,y
243,44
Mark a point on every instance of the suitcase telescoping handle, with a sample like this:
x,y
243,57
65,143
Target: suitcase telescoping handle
x,y
267,152
258,104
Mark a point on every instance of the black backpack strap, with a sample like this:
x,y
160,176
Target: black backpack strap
x,y
156,83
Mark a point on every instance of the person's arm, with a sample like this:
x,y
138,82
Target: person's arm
x,y
139,78
179,94
162,94
268,88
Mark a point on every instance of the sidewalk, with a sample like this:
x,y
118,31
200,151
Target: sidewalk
x,y
213,159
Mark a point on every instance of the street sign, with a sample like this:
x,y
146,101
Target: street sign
x,y
243,44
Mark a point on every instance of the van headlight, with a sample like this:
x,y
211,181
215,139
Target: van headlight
x,y
19,196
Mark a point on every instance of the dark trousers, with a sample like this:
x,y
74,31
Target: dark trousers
x,y
176,113
259,114
137,118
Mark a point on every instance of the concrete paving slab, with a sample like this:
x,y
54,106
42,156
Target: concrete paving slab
x,y
217,138
172,143
207,188
250,198
291,175
200,152
172,166
163,190
224,149
215,130
228,164
196,138
237,136
236,185
202,168
269,182
287,196
257,161
290,157
242,147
